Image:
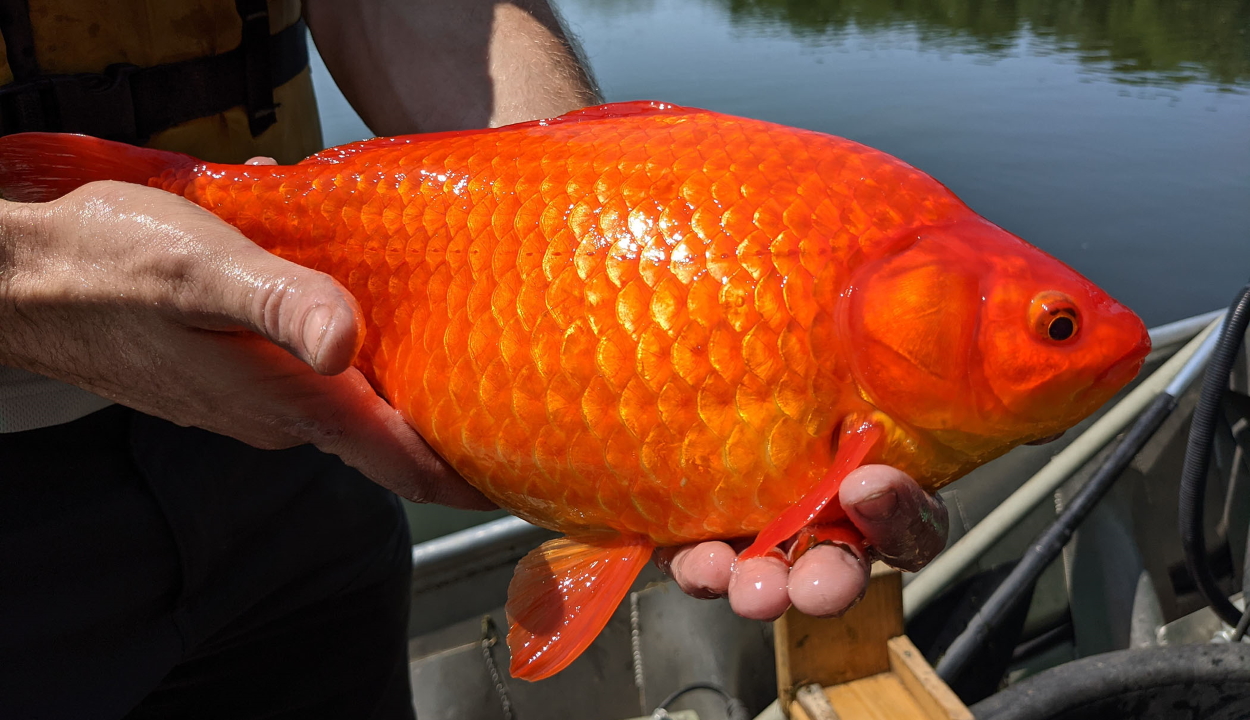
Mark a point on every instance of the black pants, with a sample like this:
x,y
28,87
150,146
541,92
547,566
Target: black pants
x,y
152,571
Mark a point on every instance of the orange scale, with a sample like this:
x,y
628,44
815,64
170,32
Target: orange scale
x,y
794,344
563,400
632,306
600,297
583,220
551,457
696,188
637,408
761,353
457,290
515,343
721,257
702,457
443,429
743,449
565,300
725,352
753,399
733,498
716,405
736,302
504,293
774,493
481,253
703,301
678,406
689,354
653,364
770,301
621,263
653,259
576,350
799,297
531,301
495,387
789,444
754,255
620,453
514,446
546,342
614,358
484,341
553,223
584,456
668,306
530,254
462,383
557,258
793,396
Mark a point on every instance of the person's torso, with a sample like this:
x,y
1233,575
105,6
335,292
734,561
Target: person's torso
x,y
70,37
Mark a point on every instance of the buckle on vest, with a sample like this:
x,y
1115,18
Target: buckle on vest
x,y
99,104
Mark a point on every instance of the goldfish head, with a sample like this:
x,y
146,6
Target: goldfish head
x,y
980,341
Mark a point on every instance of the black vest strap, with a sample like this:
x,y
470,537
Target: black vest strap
x,y
129,103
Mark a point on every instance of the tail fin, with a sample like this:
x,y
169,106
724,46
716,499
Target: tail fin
x,y
35,167
562,595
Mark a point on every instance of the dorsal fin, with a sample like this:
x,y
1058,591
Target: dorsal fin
x,y
335,155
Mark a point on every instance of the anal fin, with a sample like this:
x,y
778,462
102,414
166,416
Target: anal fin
x,y
561,596
853,447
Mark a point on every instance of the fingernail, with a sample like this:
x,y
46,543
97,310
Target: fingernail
x,y
880,506
315,327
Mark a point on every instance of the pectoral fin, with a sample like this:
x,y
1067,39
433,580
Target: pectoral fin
x,y
852,449
561,596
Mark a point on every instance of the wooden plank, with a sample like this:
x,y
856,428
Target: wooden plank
x,y
830,651
879,697
934,696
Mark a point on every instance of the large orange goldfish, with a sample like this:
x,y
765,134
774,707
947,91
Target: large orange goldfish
x,y
645,325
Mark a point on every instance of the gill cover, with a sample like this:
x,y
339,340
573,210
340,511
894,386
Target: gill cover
x,y
985,341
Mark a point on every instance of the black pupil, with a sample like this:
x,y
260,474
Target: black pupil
x,y
1061,328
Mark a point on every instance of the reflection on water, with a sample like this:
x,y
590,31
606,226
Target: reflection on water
x,y
1136,40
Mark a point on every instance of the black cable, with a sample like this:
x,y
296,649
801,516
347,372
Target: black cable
x,y
1198,459
1050,543
735,710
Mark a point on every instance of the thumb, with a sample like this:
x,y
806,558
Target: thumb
x,y
304,311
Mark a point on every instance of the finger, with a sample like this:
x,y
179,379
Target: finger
x,y
261,160
702,570
308,313
903,523
757,588
348,419
827,580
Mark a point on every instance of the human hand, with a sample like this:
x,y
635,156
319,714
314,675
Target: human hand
x,y
903,525
149,300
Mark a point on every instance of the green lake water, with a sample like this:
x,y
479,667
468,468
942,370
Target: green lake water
x,y
1115,134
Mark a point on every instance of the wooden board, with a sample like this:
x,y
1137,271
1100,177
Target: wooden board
x,y
830,651
867,667
914,672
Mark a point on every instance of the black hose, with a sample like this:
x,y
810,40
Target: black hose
x,y
1050,543
734,708
1198,459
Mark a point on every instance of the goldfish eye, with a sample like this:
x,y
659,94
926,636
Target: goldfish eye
x,y
1055,317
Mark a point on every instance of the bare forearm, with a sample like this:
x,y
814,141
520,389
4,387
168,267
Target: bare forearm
x,y
430,65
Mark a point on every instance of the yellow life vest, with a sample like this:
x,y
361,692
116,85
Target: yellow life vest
x,y
71,37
